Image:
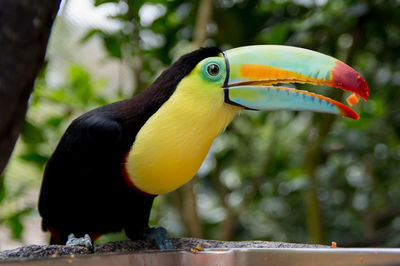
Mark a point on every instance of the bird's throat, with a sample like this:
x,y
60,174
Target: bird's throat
x,y
171,146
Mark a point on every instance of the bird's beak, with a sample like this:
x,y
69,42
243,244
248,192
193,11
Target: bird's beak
x,y
253,70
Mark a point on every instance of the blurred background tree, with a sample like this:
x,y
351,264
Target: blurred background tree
x,y
279,176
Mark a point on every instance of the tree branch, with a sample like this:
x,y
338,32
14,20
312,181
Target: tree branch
x,y
24,33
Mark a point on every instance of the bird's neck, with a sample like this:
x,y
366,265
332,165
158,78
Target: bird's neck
x,y
171,146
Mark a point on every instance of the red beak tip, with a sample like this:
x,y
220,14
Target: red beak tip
x,y
344,77
353,115
364,88
347,111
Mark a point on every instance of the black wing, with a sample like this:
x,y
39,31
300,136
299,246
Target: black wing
x,y
83,189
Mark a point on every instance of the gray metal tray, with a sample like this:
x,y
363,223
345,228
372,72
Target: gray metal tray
x,y
232,257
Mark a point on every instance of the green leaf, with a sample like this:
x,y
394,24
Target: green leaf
x,y
101,2
34,157
276,35
81,83
54,121
90,34
32,133
3,189
15,224
113,46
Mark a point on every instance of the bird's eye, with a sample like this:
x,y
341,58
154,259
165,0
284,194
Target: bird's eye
x,y
213,69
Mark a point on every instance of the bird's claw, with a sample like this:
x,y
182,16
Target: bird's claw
x,y
160,236
85,241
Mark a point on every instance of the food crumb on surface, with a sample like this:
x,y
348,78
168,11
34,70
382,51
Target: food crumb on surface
x,y
361,259
199,247
193,250
54,255
266,258
334,244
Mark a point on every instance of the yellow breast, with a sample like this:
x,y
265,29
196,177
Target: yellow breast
x,y
171,146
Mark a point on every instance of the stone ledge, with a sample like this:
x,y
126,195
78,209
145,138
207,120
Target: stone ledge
x,y
51,251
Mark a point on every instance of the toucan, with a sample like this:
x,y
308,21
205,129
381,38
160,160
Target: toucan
x,y
114,160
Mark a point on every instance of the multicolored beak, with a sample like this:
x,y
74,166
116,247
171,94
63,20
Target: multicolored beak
x,y
253,70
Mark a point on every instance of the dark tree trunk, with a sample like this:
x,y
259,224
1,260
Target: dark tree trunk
x,y
24,31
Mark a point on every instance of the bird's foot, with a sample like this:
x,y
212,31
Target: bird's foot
x,y
160,236
85,241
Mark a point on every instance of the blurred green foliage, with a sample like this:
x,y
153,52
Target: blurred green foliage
x,y
280,176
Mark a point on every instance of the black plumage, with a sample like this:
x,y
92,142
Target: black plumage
x,y
83,189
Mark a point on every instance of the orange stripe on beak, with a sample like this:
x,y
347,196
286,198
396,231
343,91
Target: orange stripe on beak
x,y
265,73
262,74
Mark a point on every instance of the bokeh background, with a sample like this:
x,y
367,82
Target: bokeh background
x,y
279,176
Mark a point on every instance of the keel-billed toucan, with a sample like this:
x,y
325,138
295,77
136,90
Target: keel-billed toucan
x,y
112,161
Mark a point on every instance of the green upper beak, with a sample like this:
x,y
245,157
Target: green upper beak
x,y
253,70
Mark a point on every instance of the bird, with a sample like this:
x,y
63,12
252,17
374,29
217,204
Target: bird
x,y
114,160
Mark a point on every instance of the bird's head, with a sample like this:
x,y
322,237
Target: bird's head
x,y
248,77
202,91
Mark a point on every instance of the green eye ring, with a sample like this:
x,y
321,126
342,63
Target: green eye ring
x,y
213,70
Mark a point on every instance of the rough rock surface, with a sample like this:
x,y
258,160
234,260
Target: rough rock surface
x,y
43,251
